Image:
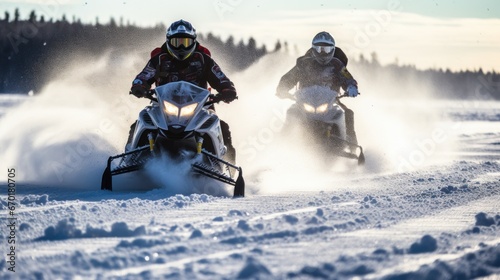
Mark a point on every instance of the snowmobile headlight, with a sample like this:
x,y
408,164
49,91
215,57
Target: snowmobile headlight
x,y
170,108
309,108
322,108
188,110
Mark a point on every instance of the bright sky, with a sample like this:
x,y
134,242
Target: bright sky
x,y
456,34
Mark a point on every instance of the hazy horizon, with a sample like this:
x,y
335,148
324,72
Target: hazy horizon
x,y
455,35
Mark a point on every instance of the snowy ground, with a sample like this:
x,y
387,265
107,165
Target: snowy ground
x,y
425,206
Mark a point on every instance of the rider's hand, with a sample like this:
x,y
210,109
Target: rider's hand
x,y
352,91
227,95
139,90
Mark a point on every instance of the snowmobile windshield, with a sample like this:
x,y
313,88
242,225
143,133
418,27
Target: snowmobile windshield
x,y
180,101
317,100
316,96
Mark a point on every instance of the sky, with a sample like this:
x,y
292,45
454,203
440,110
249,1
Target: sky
x,y
455,34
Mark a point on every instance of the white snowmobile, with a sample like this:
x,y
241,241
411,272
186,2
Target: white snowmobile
x,y
317,111
178,123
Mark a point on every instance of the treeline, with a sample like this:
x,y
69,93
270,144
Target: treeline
x,y
31,48
406,80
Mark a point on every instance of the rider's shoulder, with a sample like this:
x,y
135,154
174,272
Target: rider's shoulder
x,y
203,49
337,62
158,51
155,52
305,59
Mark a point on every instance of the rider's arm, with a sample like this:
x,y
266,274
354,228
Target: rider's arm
x,y
339,54
143,81
218,80
347,79
147,75
288,81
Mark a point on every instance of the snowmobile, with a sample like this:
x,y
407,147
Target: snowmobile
x,y
316,112
180,125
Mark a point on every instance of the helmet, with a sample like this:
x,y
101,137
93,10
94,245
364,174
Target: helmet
x,y
181,39
323,47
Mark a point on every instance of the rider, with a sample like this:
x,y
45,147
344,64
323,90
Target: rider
x,y
182,58
323,65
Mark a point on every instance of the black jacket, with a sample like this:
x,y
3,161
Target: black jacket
x,y
308,72
199,69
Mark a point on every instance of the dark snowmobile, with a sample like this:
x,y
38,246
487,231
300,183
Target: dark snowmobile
x,y
318,113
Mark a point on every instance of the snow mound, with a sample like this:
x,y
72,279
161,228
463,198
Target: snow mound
x,y
253,269
67,230
426,245
482,263
482,219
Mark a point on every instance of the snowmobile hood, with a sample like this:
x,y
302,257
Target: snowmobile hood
x,y
316,95
318,102
179,103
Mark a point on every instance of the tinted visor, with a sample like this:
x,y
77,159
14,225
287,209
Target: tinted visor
x,y
325,49
178,42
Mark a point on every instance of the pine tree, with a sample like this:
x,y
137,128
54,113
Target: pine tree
x,y
16,15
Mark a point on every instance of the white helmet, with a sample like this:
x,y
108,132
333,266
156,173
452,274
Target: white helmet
x,y
323,47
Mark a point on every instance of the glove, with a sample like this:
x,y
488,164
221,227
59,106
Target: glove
x,y
227,95
352,91
139,90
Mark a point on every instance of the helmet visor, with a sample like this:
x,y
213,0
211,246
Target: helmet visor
x,y
178,42
325,49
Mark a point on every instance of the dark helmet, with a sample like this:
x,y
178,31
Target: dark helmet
x,y
181,39
323,47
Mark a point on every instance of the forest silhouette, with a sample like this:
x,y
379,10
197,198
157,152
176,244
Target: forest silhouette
x,y
31,47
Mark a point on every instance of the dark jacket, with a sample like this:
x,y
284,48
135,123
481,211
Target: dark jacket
x,y
308,72
199,69
339,53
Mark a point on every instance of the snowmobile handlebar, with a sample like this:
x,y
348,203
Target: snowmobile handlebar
x,y
150,94
212,98
292,96
345,95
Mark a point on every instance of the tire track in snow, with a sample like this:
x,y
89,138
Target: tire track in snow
x,y
413,264
157,269
105,243
458,220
